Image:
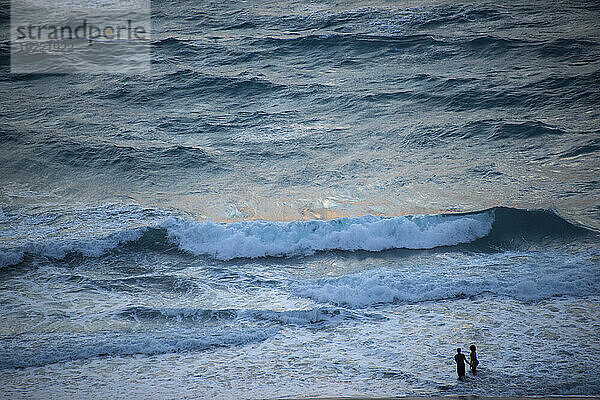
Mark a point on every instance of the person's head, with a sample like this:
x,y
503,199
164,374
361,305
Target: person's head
x,y
472,347
458,350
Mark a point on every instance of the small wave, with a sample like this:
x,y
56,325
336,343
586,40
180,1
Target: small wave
x,y
169,41
375,43
372,288
10,257
502,130
523,130
239,25
90,232
87,247
59,249
492,45
324,19
136,160
304,317
458,14
24,352
176,314
187,78
362,43
189,83
569,48
289,317
571,87
590,147
178,46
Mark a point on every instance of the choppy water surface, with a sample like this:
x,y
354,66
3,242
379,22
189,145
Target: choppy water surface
x,y
309,199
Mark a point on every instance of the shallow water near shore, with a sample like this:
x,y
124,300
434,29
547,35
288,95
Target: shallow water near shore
x,y
149,318
309,200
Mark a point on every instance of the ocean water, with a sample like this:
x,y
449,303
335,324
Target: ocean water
x,y
309,198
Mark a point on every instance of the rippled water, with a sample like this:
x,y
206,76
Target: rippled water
x,y
309,199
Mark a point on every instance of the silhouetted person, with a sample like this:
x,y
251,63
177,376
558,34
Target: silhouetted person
x,y
474,361
460,364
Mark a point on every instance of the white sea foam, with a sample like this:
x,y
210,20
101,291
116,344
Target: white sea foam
x,y
563,275
253,239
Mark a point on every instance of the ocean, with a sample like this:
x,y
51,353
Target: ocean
x,y
305,198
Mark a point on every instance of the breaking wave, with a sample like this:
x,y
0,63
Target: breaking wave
x,y
493,228
252,239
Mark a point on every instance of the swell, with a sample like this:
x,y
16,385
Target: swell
x,y
515,130
469,94
356,41
533,226
459,14
99,155
184,82
489,230
569,48
591,146
373,26
327,43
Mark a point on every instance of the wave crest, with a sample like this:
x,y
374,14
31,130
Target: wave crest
x,y
252,239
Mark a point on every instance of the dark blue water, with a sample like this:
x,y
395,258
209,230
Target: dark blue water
x,y
302,199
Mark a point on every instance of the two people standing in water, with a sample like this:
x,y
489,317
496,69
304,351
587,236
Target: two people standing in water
x,y
461,359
